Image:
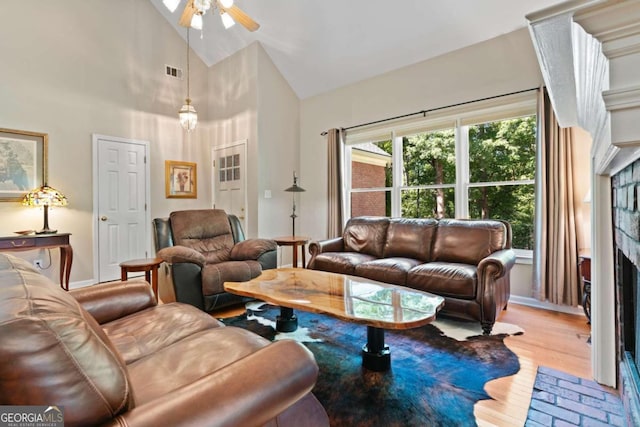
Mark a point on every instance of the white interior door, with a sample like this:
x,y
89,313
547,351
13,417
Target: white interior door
x,y
229,187
121,198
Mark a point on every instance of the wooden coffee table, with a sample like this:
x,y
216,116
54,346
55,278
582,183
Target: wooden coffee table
x,y
377,305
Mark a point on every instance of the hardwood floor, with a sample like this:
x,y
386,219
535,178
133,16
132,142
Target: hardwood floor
x,y
552,339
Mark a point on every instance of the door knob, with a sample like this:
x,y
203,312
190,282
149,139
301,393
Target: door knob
x,y
103,218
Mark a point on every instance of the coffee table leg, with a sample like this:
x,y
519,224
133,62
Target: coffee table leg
x,y
376,356
287,321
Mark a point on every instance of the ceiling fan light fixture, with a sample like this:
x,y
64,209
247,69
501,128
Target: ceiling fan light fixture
x,y
226,3
202,5
172,5
188,116
227,20
196,21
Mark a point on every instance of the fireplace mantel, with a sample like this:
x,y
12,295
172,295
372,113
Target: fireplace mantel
x,y
589,54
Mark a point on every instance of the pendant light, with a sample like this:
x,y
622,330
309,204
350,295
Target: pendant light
x,y
187,114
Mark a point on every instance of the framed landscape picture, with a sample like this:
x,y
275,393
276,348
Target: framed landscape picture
x,y
180,180
23,163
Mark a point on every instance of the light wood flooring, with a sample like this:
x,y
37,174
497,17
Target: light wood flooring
x,y
552,339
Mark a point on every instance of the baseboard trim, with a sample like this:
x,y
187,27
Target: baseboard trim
x,y
532,302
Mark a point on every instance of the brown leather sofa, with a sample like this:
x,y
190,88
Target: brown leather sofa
x,y
467,262
203,248
109,355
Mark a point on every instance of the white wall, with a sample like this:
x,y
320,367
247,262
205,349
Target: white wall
x,y
233,107
249,99
279,153
72,68
505,64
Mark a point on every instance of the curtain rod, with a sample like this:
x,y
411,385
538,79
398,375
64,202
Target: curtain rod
x,y
424,112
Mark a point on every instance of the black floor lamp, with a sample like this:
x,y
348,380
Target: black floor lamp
x,y
295,188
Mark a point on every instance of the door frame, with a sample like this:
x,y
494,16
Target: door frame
x,y
214,176
95,138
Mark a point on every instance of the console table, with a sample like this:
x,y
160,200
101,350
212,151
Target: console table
x,y
44,241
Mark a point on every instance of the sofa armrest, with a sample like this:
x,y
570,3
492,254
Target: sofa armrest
x,y
499,263
251,249
250,391
331,245
178,254
113,300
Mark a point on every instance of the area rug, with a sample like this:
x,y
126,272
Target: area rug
x,y
434,380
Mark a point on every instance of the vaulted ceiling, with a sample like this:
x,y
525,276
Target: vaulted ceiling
x,y
320,45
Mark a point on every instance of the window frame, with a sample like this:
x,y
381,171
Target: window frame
x,y
460,118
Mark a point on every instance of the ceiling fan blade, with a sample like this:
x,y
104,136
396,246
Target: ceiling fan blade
x,y
187,14
239,16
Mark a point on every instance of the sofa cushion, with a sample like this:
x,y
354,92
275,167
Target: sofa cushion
x,y
410,238
206,230
388,270
190,359
468,242
340,262
445,279
61,355
143,333
366,235
214,275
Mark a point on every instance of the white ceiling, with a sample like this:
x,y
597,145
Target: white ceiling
x,y
320,45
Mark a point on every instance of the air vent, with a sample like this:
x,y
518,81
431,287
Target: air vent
x,y
173,72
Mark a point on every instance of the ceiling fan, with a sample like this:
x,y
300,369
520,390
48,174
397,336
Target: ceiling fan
x,y
229,13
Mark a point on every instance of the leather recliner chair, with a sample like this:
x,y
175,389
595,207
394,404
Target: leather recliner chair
x,y
203,249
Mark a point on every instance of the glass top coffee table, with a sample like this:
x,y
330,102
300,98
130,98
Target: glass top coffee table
x,y
377,305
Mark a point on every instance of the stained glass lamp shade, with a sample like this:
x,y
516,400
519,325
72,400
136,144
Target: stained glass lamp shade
x,y
44,197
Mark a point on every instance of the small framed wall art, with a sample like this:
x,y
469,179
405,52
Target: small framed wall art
x,y
181,180
23,163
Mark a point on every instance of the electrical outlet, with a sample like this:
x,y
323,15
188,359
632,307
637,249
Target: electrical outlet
x,y
37,263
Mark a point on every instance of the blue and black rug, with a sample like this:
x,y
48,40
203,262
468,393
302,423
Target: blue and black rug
x,y
434,380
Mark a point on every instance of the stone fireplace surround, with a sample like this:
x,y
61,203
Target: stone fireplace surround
x,y
589,56
626,223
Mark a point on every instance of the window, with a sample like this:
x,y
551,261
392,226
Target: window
x,y
428,175
502,164
371,170
474,162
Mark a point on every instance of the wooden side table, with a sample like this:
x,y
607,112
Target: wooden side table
x,y
44,241
294,241
148,265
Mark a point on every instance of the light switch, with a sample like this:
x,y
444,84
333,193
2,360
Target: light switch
x,y
267,194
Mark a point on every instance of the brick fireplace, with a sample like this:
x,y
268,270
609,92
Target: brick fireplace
x,y
626,221
589,54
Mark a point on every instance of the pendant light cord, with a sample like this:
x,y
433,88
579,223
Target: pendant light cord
x,y
188,73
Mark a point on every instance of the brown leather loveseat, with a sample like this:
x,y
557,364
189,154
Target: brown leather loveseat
x,y
109,355
467,262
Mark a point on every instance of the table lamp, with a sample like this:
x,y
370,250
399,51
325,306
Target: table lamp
x,y
45,196
295,188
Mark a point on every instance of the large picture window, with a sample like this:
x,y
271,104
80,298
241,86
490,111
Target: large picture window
x,y
469,164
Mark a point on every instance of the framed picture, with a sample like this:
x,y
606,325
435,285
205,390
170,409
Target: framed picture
x,y
180,180
23,163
